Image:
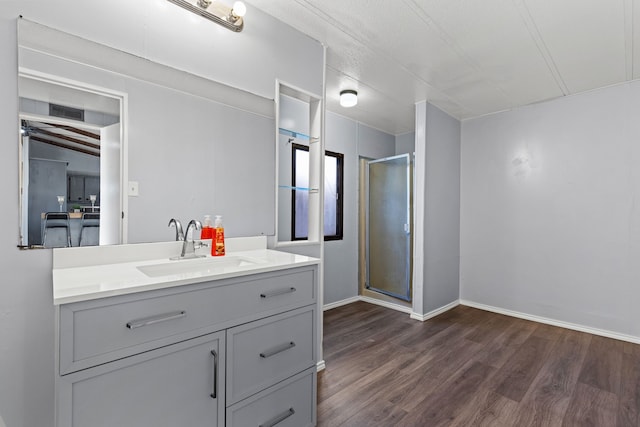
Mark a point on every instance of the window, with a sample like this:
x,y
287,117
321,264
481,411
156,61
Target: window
x,y
333,183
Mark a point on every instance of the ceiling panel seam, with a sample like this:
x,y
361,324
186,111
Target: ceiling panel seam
x,y
530,23
381,53
449,41
628,38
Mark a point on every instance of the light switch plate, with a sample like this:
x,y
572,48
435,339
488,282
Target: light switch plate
x,y
133,189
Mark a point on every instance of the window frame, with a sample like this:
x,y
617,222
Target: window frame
x,y
339,192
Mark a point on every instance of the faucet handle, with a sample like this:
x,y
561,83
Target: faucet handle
x,y
197,244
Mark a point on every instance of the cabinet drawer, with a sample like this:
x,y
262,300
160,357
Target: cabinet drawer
x,y
262,353
96,332
290,403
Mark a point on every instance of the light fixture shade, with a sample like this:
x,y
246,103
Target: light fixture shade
x,y
348,98
239,9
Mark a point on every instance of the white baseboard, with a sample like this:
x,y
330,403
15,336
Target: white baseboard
x,y
396,307
319,366
434,313
370,300
553,322
340,303
525,316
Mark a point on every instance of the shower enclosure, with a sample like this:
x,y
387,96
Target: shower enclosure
x,y
388,226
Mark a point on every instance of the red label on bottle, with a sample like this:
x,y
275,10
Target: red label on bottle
x,y
218,243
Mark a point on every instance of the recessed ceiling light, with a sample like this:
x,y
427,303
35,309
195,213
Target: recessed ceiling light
x,y
348,98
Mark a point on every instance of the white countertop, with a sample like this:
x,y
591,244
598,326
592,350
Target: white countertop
x,y
83,283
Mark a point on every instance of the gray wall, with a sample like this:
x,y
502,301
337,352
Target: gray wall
x,y
441,196
217,161
341,256
550,224
153,30
406,143
374,144
354,140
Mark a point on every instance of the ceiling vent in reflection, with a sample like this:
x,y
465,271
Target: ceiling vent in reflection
x,y
66,112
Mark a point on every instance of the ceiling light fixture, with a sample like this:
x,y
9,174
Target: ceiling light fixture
x,y
348,98
229,17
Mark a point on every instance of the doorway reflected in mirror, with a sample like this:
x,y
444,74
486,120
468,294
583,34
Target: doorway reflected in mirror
x,y
62,138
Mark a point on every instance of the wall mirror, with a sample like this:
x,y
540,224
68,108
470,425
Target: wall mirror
x,y
182,140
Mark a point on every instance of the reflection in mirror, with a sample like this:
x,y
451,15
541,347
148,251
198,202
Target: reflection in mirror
x,y
299,175
68,180
183,139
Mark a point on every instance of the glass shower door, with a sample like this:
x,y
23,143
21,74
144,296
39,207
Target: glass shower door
x,y
389,226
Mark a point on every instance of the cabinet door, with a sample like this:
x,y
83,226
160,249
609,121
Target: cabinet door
x,y
91,186
76,188
177,385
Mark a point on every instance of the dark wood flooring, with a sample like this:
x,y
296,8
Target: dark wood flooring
x,y
469,367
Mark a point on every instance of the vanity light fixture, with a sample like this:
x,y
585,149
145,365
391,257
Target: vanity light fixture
x,y
229,17
348,98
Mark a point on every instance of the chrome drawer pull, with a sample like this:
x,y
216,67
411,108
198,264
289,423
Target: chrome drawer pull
x,y
280,418
146,321
214,395
277,292
278,349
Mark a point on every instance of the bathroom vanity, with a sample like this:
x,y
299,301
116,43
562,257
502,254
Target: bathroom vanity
x,y
228,341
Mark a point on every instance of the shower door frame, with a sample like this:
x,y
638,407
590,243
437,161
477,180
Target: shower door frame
x,y
407,229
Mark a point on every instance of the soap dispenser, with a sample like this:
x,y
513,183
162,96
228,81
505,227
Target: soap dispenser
x,y
217,246
207,228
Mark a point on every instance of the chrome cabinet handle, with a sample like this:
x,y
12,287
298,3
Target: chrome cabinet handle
x,y
277,292
146,321
278,349
214,395
280,418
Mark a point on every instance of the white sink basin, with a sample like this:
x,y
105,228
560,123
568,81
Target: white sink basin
x,y
199,266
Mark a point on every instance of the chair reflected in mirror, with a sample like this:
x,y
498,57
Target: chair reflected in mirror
x,y
56,230
90,229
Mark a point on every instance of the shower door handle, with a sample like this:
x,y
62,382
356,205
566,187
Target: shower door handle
x,y
407,229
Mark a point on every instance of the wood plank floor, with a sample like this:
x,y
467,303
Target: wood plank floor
x,y
469,367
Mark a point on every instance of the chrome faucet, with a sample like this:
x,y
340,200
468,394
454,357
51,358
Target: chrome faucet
x,y
179,233
188,246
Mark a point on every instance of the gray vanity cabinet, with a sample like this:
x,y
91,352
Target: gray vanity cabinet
x,y
215,353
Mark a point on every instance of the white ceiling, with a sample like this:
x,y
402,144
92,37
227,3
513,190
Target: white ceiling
x,y
468,57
